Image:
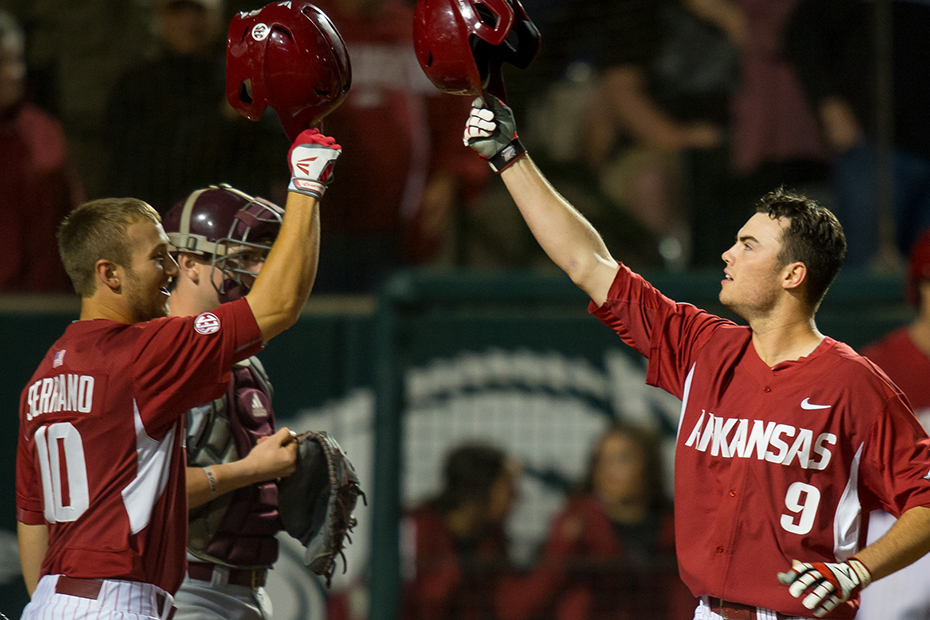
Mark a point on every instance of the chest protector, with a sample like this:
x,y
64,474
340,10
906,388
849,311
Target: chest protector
x,y
238,528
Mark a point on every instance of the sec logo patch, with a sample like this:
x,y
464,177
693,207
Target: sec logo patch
x,y
206,324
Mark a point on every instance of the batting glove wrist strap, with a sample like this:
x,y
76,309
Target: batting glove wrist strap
x,y
491,131
862,571
507,156
308,187
312,159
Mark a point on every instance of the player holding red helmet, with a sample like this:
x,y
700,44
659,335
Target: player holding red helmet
x,y
787,438
100,470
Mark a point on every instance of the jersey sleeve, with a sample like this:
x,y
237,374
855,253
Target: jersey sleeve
x,y
667,333
896,459
184,362
29,507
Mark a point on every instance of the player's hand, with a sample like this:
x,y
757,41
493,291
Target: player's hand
x,y
274,456
825,584
311,159
492,132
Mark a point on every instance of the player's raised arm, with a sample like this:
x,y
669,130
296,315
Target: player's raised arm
x,y
565,235
282,287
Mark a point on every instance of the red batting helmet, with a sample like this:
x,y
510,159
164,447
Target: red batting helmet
x,y
289,56
919,268
222,223
461,44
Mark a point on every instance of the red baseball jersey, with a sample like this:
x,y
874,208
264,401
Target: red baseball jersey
x,y
100,458
772,463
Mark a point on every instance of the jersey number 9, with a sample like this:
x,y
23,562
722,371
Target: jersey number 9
x,y
801,499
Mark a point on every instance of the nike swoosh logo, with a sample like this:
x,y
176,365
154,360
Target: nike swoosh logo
x,y
806,404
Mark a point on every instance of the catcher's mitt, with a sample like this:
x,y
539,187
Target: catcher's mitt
x,y
317,500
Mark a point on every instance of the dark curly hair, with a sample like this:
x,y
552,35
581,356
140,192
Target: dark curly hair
x,y
814,237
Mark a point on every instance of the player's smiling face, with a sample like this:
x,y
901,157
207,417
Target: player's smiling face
x,y
146,283
751,283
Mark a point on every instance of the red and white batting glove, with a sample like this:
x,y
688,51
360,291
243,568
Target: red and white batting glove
x,y
492,132
312,159
826,584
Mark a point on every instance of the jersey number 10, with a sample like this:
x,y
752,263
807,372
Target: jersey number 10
x,y
61,455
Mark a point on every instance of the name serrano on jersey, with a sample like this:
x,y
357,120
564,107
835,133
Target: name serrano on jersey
x,y
64,392
768,441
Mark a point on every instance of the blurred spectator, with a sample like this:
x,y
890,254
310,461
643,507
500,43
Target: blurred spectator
x,y
833,43
904,355
402,154
170,129
610,554
655,123
455,544
38,185
776,140
75,53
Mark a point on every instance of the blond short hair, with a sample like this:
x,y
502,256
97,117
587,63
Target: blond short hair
x,y
97,230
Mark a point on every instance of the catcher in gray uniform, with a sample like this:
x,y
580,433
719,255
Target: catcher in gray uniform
x,y
235,457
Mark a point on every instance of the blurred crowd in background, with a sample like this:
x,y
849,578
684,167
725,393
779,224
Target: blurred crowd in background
x,y
662,120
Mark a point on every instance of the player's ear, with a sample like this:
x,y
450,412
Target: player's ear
x,y
108,274
187,265
793,275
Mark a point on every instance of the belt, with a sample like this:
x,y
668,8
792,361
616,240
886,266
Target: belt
x,y
249,577
729,610
90,589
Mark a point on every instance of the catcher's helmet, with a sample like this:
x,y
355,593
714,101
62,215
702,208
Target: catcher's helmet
x,y
461,44
222,223
289,56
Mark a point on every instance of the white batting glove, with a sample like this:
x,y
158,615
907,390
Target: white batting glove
x,y
312,159
492,132
826,584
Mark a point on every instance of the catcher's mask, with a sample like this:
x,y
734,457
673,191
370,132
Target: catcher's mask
x,y
461,44
226,225
287,55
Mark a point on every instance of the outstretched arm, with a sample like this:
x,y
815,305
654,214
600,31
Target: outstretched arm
x,y
273,457
565,235
282,287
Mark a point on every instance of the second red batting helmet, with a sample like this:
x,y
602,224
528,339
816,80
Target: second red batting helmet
x,y
289,56
461,44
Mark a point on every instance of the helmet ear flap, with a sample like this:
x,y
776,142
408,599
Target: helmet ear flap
x,y
245,84
522,43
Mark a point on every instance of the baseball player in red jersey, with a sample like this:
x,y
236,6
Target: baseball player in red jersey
x,y
787,438
101,497
904,355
